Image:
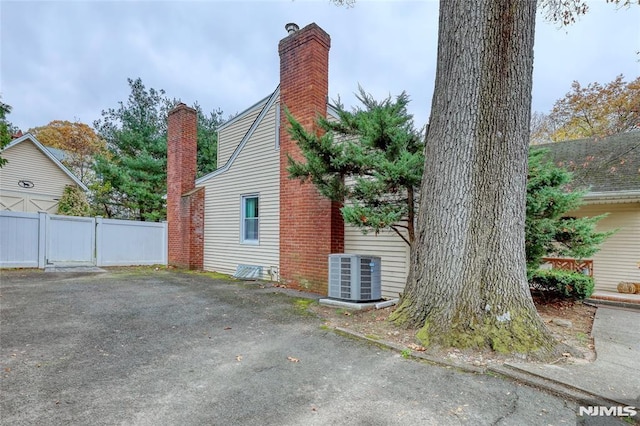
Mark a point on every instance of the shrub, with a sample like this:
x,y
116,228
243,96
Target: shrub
x,y
73,202
567,284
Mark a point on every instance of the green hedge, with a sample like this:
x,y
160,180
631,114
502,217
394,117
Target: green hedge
x,y
568,284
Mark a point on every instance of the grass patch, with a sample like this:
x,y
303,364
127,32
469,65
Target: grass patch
x,y
137,270
212,274
302,305
582,337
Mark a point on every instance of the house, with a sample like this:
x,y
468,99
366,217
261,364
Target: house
x,y
33,179
609,169
247,215
247,212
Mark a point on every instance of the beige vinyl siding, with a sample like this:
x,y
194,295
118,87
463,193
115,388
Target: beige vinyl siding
x,y
230,136
619,256
256,170
393,251
27,162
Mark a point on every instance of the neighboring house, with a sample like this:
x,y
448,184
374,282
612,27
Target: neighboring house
x,y
609,169
248,213
33,179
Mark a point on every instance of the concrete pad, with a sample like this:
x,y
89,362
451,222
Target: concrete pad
x,y
73,269
357,306
615,374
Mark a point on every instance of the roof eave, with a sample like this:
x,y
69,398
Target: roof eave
x,y
631,196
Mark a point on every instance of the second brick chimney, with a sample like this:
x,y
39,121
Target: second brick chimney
x,y
311,226
185,202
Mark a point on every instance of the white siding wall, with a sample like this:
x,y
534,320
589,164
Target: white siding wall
x,y
230,136
256,170
619,256
393,251
27,162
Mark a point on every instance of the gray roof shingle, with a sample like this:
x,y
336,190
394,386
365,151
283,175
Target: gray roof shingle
x,y
600,164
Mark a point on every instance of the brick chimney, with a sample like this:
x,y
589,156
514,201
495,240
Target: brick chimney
x,y
311,226
185,203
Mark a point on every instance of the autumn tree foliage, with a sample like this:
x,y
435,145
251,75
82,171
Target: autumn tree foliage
x,y
594,110
370,159
79,142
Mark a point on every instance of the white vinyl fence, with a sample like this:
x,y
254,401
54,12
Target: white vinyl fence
x,y
35,240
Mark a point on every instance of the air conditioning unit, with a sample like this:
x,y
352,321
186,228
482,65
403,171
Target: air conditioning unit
x,y
354,277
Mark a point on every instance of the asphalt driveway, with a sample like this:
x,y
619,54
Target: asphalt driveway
x,y
145,347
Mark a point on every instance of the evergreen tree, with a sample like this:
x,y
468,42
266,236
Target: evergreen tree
x,y
548,232
135,169
6,128
371,159
207,139
132,174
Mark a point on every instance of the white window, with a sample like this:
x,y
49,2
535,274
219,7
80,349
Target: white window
x,y
250,219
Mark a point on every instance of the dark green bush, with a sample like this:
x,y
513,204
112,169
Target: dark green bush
x,y
567,284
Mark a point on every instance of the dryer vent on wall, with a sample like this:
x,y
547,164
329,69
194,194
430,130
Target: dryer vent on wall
x,y
354,277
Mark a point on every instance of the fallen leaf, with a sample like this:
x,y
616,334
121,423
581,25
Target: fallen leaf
x,y
292,359
415,347
227,328
239,358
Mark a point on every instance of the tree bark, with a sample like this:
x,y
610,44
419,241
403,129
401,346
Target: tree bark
x,y
467,285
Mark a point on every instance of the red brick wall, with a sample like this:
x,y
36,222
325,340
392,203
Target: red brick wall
x,y
196,228
185,207
311,226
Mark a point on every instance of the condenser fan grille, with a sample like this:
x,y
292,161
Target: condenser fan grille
x,y
354,277
345,278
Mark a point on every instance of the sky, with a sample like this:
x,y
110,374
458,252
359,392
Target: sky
x,y
71,60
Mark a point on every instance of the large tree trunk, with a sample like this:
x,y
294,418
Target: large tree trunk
x,y
467,286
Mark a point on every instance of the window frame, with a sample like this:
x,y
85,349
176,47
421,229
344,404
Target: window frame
x,y
243,219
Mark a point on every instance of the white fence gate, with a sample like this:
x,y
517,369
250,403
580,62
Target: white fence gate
x,y
34,240
70,239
